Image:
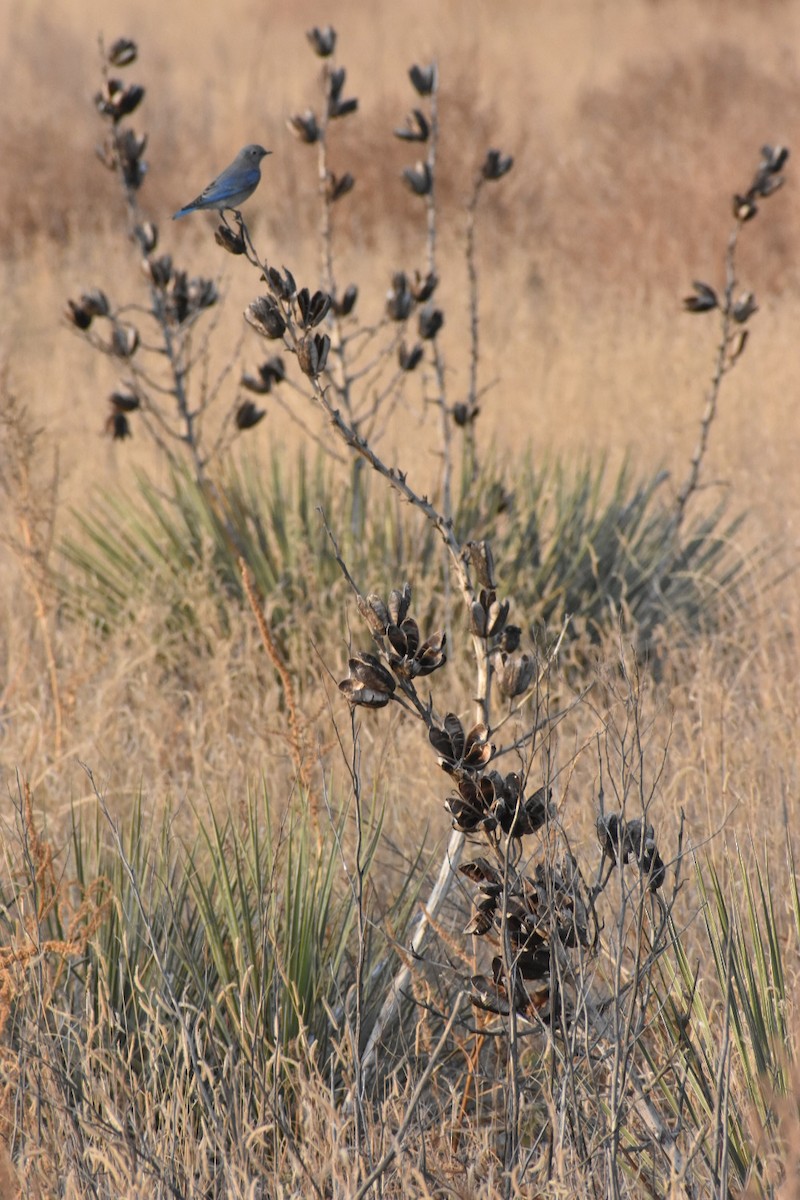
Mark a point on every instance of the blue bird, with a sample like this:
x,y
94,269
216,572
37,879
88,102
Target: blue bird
x,y
230,189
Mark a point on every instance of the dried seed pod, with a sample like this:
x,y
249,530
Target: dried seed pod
x,y
344,306
471,806
510,639
496,165
122,52
306,356
322,344
202,293
304,304
124,340
369,683
409,359
769,185
230,241
534,964
610,834
424,286
464,414
274,368
247,415
178,300
281,285
95,303
638,836
336,77
359,694
412,658
399,603
323,41
487,614
416,129
424,79
375,613
118,427
146,235
312,354
744,307
640,848
404,638
479,870
77,314
265,317
116,101
520,819
419,179
449,741
489,996
158,270
431,321
477,619
124,402
458,750
342,108
482,560
479,924
399,300
304,126
337,108
466,817
775,156
312,308
254,383
336,187
369,670
654,870
703,299
270,373
514,674
129,101
126,156
497,615
431,655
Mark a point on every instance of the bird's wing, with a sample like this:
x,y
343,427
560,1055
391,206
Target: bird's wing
x,y
230,183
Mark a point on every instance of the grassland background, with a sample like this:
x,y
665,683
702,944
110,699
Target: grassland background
x,y
631,124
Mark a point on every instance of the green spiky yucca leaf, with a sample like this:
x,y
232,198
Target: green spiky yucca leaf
x,y
565,543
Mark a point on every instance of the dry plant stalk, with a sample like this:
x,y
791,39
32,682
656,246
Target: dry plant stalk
x,y
42,896
298,737
734,311
32,501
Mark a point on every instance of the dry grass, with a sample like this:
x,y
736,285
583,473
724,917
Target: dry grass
x,y
630,125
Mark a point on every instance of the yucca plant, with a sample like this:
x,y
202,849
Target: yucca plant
x,y
236,948
725,1053
571,542
273,944
604,550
